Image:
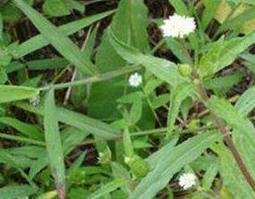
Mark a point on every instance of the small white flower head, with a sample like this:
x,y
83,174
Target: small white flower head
x,y
187,180
178,26
135,80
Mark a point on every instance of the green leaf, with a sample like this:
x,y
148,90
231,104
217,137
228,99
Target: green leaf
x,y
77,120
178,50
243,129
246,102
130,27
155,157
136,111
210,175
3,75
244,106
62,43
76,5
39,41
222,53
223,83
53,144
56,8
107,188
160,101
47,64
11,160
161,68
71,137
171,163
38,165
227,112
120,172
209,12
14,93
179,6
28,130
16,191
238,22
177,96
232,176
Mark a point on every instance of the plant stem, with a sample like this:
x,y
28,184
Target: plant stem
x,y
96,78
226,133
21,139
158,46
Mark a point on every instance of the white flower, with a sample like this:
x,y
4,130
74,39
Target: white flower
x,y
187,180
178,26
135,80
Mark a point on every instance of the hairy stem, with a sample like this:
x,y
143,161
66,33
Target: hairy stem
x,y
227,138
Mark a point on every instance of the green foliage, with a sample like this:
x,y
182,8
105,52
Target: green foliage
x,y
131,28
14,93
53,143
64,45
12,192
168,165
233,179
73,124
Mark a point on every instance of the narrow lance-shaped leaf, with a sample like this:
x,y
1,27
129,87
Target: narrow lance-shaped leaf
x,y
7,158
129,23
227,112
232,176
27,130
53,143
170,163
39,41
177,96
209,12
243,129
161,68
62,43
17,191
14,93
222,53
246,102
77,120
107,188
